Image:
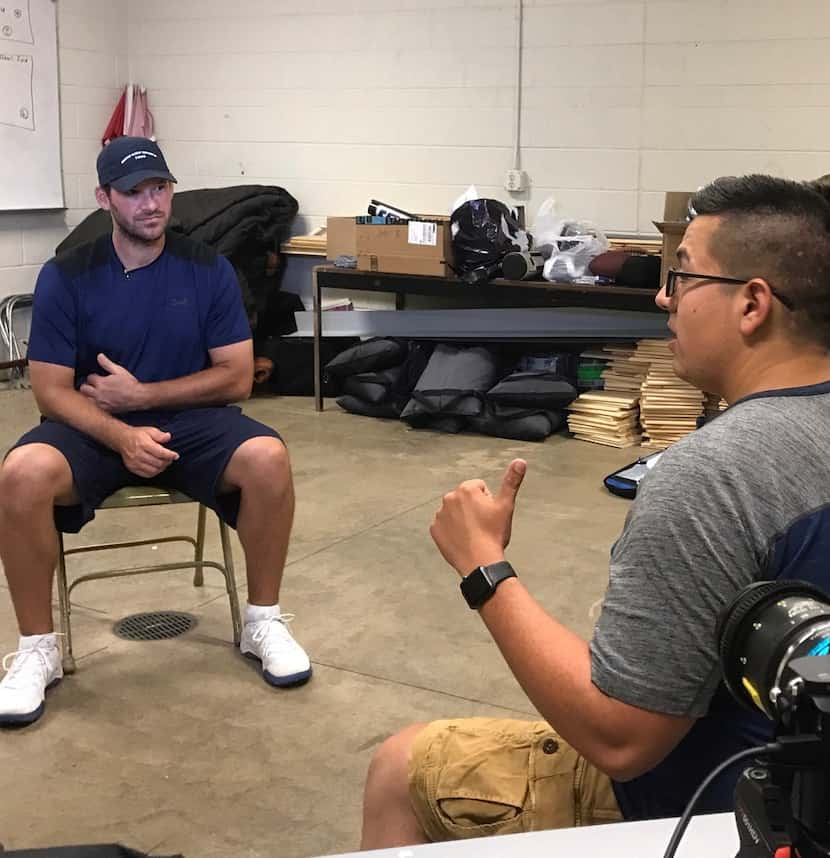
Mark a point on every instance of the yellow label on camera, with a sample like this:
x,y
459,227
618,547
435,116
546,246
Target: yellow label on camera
x,y
756,697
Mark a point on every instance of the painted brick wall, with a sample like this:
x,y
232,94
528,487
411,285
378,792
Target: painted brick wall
x,y
410,101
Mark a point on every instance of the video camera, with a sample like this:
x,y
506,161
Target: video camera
x,y
774,644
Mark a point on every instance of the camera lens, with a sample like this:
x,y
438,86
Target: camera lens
x,y
760,633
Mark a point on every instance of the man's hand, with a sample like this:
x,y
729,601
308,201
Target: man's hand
x,y
263,368
117,392
143,451
473,526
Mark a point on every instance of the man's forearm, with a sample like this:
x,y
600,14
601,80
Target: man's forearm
x,y
551,663
67,405
216,385
553,666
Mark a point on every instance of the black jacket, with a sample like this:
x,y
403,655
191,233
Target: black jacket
x,y
246,223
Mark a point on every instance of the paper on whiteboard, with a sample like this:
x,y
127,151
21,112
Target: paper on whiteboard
x,y
30,166
16,102
15,22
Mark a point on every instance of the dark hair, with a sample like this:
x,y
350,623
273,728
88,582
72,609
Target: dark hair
x,y
821,184
777,229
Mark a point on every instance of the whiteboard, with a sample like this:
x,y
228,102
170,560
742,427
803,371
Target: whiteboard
x,y
30,150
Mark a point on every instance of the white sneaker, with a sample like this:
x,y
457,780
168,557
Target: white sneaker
x,y
35,667
284,661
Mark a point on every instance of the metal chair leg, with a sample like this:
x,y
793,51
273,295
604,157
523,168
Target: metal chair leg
x,y
68,659
227,570
230,581
198,574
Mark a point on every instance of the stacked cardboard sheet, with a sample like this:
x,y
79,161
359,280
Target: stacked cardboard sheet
x,y
606,417
623,372
669,407
651,246
313,244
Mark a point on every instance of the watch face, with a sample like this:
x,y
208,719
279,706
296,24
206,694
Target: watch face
x,y
476,587
481,583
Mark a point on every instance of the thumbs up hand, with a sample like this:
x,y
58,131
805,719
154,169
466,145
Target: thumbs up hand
x,y
473,526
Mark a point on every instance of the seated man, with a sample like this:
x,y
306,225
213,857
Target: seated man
x,y
635,719
139,341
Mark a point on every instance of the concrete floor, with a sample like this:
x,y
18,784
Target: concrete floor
x,y
178,746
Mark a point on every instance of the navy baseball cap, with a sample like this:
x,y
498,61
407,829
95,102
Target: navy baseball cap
x,y
128,161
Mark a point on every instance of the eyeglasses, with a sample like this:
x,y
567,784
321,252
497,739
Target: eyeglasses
x,y
673,275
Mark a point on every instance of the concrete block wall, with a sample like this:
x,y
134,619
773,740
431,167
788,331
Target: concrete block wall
x,y
730,87
410,101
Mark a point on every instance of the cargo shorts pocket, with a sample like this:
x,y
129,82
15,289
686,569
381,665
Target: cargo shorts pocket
x,y
484,777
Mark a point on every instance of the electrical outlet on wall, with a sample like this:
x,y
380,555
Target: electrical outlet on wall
x,y
515,180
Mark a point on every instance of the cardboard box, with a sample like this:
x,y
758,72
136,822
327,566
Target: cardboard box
x,y
672,232
672,227
340,237
676,206
414,247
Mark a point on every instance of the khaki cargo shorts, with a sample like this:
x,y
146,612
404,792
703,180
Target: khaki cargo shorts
x,y
475,777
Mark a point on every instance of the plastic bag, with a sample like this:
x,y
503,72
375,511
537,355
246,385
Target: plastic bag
x,y
568,246
573,251
547,227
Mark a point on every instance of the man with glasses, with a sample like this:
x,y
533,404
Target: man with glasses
x,y
637,717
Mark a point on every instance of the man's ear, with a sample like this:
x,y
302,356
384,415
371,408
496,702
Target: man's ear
x,y
756,301
102,198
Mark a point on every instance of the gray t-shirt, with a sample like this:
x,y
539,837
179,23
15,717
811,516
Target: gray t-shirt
x,y
744,498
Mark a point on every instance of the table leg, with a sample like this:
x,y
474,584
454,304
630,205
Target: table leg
x,y
318,332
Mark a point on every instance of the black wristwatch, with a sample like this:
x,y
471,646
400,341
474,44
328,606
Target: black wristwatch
x,y
481,583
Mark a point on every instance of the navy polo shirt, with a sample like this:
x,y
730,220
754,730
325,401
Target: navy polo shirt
x,y
158,321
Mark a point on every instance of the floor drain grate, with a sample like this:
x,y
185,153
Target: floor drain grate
x,y
154,626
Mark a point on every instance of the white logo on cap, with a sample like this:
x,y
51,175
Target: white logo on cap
x,y
139,155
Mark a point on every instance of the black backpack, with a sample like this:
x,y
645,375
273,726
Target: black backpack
x,y
483,232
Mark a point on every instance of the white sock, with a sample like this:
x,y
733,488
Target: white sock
x,y
255,613
50,639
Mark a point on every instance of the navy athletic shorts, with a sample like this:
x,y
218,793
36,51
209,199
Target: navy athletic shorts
x,y
204,438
